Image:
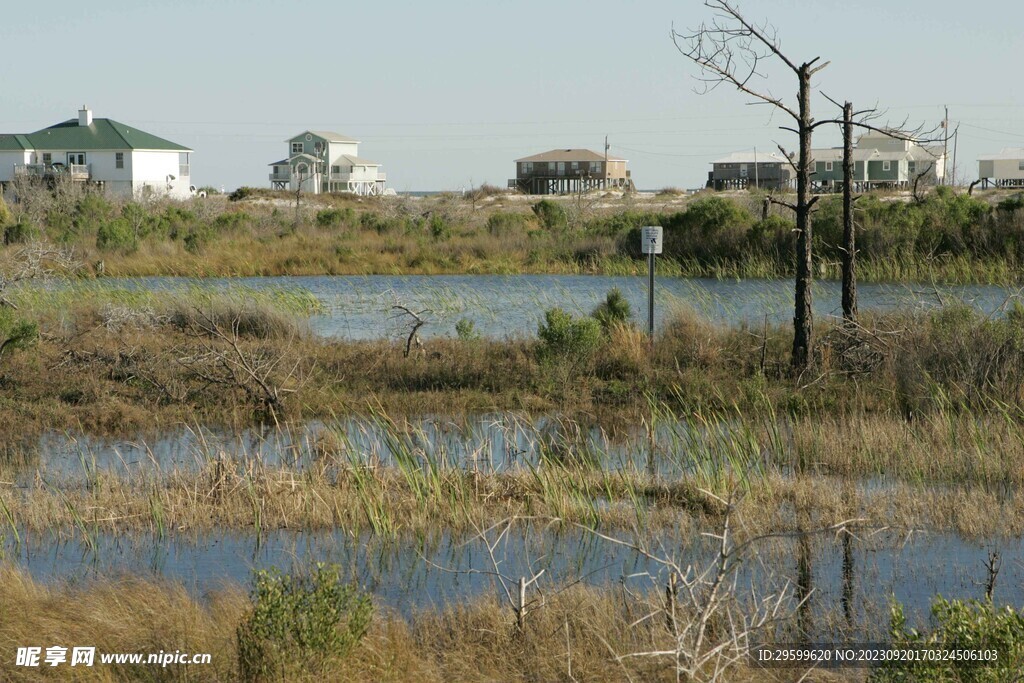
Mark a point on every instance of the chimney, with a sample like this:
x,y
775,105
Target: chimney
x,y
84,116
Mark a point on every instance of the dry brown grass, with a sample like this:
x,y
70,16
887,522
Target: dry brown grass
x,y
575,636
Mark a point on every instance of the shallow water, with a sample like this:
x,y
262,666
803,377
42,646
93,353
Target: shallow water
x,y
849,590
360,307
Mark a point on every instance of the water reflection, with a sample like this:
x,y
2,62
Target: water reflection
x,y
841,578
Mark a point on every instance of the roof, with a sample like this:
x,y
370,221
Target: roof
x,y
568,155
1008,154
356,161
890,156
749,158
330,136
100,134
920,153
14,142
835,154
283,162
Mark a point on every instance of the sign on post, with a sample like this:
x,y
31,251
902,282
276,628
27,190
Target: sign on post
x,y
650,244
650,237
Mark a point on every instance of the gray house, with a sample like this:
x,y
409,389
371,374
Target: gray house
x,y
740,170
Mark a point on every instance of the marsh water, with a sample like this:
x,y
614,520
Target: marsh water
x,y
360,307
850,584
861,575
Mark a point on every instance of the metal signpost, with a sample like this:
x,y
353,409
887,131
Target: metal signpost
x,y
650,244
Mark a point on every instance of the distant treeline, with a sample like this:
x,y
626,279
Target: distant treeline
x,y
947,236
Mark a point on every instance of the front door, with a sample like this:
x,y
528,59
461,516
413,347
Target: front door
x,y
76,158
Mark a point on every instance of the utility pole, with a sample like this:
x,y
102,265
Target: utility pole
x,y
757,184
956,137
606,162
945,144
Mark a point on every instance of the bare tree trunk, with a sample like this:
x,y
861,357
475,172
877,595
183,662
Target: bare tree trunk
x,y
849,236
803,316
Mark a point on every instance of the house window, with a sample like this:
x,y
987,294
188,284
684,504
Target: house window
x,y
911,167
828,165
336,169
296,148
1020,165
47,158
886,165
527,167
119,160
595,166
552,167
561,168
575,165
183,164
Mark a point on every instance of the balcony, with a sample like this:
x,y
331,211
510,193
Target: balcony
x,y
75,172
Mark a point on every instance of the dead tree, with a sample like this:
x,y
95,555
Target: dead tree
x,y
849,249
730,50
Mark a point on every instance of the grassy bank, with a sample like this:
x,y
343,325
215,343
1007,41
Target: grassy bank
x,y
576,635
945,237
141,362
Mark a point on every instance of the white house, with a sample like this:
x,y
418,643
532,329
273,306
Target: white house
x,y
123,160
1005,169
322,161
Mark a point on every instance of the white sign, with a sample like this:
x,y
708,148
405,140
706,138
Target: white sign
x,y
650,239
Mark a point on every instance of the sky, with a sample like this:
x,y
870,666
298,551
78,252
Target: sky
x,y
447,94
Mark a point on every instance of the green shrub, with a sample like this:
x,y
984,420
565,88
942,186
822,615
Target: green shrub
x,y
114,235
241,193
231,220
465,329
197,238
15,333
501,223
5,213
20,232
972,625
564,337
614,310
332,218
298,624
550,214
439,228
92,212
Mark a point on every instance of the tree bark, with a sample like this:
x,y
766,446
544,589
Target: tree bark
x,y
803,316
849,236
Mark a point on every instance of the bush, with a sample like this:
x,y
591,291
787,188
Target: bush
x,y
551,215
568,338
501,223
15,333
465,329
300,623
439,228
5,213
971,625
614,310
20,232
231,220
92,212
241,193
332,218
114,235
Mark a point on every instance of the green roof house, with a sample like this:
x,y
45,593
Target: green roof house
x,y
121,159
321,161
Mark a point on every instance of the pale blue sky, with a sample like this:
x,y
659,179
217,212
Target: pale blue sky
x,y
446,94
